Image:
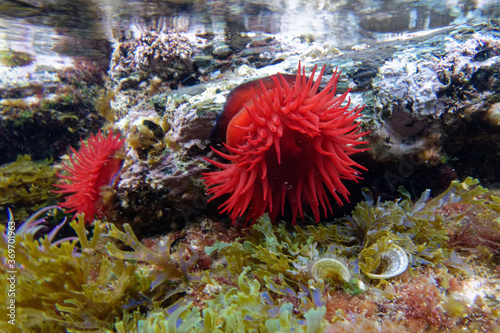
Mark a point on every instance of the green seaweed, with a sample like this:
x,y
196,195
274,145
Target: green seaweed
x,y
163,320
162,259
352,287
75,284
268,250
111,282
59,288
248,307
418,227
26,182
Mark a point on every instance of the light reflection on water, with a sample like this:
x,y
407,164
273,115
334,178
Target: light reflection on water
x,y
85,28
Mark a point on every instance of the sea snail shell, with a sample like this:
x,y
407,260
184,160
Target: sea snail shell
x,y
393,262
330,268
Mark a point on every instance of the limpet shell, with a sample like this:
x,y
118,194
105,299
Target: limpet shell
x,y
394,261
330,268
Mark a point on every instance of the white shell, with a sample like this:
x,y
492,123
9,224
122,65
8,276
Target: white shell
x,y
397,263
330,268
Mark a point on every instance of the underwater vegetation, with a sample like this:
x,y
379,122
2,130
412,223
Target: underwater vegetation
x,y
93,166
377,239
407,265
75,284
25,182
278,122
267,278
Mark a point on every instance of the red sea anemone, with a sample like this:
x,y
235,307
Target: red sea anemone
x,y
287,140
93,166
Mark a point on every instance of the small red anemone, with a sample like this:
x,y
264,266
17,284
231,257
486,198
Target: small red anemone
x,y
93,166
287,140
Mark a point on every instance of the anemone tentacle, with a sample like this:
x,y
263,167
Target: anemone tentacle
x,y
92,166
289,142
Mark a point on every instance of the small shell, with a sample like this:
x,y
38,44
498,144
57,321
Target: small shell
x,y
394,262
330,268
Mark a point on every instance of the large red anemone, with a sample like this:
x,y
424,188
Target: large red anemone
x,y
287,140
92,166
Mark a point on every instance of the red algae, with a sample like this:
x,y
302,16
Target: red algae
x,y
419,303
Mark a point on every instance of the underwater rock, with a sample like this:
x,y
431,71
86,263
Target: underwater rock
x,y
28,79
161,53
221,50
428,97
160,187
160,197
12,58
47,106
411,110
191,120
411,82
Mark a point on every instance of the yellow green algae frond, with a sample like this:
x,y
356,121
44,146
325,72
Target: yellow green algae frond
x,y
61,286
25,182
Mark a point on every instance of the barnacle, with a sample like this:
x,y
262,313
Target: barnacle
x,y
330,268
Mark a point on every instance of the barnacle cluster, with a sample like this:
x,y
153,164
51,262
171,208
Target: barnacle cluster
x,y
267,278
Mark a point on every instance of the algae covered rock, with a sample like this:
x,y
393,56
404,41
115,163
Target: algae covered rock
x,y
168,135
